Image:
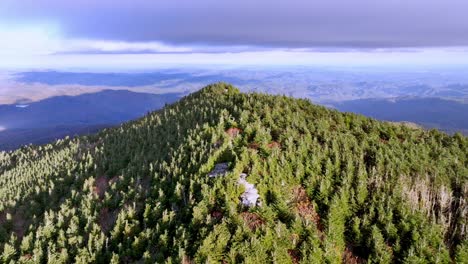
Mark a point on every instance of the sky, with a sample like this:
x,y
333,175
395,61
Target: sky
x,y
144,33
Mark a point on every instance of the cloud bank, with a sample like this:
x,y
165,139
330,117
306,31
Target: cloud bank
x,y
284,24
146,33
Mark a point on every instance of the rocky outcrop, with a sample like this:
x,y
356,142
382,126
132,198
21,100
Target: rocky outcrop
x,y
250,197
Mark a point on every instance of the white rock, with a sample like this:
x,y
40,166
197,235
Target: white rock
x,y
250,195
220,169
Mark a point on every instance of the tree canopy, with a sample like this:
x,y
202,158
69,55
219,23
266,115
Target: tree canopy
x,y
333,187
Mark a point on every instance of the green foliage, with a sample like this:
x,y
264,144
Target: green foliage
x,y
333,186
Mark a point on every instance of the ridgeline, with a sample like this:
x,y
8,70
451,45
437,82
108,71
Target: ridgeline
x,y
223,176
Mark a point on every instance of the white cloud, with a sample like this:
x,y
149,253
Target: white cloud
x,y
45,39
103,46
28,40
42,46
19,42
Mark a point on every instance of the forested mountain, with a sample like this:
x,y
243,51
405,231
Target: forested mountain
x,y
447,115
56,117
223,176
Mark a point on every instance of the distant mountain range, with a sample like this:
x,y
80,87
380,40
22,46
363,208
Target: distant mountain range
x,y
56,117
15,138
432,99
122,79
317,84
447,115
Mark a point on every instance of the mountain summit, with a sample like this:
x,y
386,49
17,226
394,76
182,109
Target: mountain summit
x,y
223,176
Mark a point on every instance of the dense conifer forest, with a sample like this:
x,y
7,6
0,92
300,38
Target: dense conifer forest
x,y
227,177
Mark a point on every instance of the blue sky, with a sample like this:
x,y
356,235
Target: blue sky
x,y
144,33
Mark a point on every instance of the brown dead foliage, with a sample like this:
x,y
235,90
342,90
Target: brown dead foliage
x,y
307,211
102,183
274,144
304,207
233,132
107,219
217,214
17,221
384,141
254,145
103,219
299,195
252,220
350,258
100,186
19,225
295,255
27,257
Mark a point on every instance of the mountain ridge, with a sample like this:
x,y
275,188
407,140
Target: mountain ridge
x,y
444,114
332,186
56,117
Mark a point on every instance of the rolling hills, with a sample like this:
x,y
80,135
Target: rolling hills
x,y
224,176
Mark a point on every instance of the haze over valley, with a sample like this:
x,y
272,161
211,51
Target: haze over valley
x,y
384,93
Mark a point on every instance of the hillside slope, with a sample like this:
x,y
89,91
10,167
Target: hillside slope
x,y
228,177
